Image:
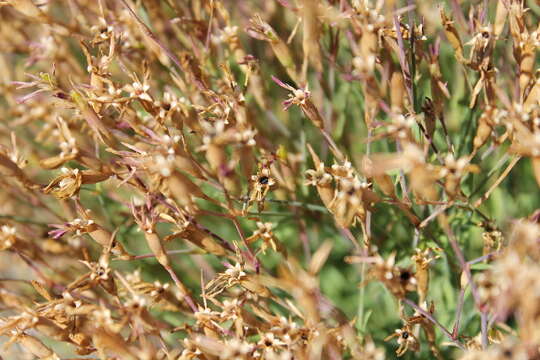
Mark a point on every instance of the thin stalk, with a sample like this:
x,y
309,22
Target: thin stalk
x,y
170,252
412,62
23,220
498,181
403,59
459,310
466,268
484,328
434,321
482,258
179,285
255,262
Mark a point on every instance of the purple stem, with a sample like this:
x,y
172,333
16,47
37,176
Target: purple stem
x,y
434,321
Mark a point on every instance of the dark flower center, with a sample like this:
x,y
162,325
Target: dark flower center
x,y
405,275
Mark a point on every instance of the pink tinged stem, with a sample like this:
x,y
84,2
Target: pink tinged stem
x,y
187,297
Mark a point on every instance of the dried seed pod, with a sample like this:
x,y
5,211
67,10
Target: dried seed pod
x,y
526,66
463,279
482,48
397,92
105,341
94,164
533,98
215,154
500,18
484,129
536,168
55,161
386,184
28,8
201,239
310,43
320,257
262,31
252,283
321,179
430,117
155,245
453,36
516,20
36,347
183,190
116,248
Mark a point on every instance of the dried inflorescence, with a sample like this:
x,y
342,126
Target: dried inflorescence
x,y
231,172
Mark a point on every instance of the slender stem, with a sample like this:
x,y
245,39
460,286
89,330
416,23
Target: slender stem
x,y
312,207
221,240
146,256
361,302
484,332
14,280
349,235
403,59
23,220
459,311
482,258
252,257
412,64
466,268
433,215
179,284
498,181
335,150
434,321
33,266
302,231
269,213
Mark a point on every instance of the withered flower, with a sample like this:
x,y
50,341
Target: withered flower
x,y
264,232
7,237
302,98
262,182
348,205
398,281
405,339
65,185
453,171
69,183
232,276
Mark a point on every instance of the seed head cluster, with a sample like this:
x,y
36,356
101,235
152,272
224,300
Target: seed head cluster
x,y
279,179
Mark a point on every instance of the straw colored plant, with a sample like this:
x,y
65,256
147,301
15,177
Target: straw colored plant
x,y
280,179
